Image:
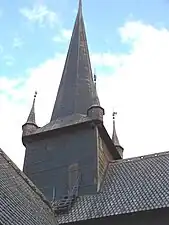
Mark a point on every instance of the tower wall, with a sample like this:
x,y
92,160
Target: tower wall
x,y
103,158
47,161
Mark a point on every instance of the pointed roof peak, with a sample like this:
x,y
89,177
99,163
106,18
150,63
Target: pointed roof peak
x,y
95,98
80,6
31,117
115,139
77,91
114,135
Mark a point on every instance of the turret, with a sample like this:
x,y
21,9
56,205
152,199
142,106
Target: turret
x,y
115,138
30,126
95,111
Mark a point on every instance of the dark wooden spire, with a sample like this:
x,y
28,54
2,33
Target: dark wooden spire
x,y
77,90
115,139
31,117
30,126
114,135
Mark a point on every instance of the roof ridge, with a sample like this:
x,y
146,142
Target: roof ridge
x,y
25,178
137,158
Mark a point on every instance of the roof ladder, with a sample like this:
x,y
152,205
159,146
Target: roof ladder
x,y
66,202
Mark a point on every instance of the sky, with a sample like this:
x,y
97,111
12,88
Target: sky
x,y
129,50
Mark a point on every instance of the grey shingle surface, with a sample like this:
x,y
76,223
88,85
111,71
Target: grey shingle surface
x,y
21,203
132,185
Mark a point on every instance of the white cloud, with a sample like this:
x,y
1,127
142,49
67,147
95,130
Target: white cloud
x,y
108,60
137,89
66,33
6,85
40,14
63,36
16,100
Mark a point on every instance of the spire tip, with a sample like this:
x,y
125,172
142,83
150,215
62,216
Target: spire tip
x,y
80,5
114,115
35,94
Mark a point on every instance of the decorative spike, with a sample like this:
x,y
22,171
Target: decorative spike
x,y
114,115
31,117
95,111
30,126
95,95
115,137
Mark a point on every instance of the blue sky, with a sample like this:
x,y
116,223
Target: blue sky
x,y
129,48
103,18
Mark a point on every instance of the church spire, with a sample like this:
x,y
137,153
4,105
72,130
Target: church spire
x,y
77,92
115,137
30,124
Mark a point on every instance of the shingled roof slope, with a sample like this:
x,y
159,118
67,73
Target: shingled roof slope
x,y
132,185
64,122
21,203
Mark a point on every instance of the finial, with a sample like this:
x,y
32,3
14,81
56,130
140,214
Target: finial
x,y
35,94
95,78
31,117
115,137
114,115
30,126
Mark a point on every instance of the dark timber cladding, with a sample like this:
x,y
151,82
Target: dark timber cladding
x,y
77,89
